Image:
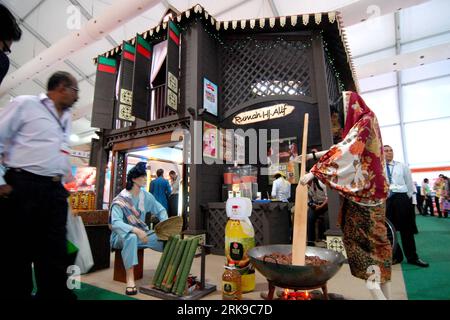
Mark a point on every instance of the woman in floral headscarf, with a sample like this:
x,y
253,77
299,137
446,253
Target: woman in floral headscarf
x,y
355,168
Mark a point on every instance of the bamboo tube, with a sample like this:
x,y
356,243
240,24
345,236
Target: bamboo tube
x,y
174,267
162,259
166,263
187,267
182,263
169,266
301,207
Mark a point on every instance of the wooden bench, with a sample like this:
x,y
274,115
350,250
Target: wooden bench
x,y
119,269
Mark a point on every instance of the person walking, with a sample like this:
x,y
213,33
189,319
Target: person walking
x,y
428,198
34,140
160,189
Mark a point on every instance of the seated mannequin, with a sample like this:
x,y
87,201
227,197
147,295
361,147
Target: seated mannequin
x,y
127,220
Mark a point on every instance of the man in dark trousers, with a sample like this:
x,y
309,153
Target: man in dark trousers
x,y
9,32
160,189
34,133
400,209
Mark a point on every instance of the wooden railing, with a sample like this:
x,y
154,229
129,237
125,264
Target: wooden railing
x,y
161,110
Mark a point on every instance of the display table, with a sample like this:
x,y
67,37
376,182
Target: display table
x,y
271,221
98,233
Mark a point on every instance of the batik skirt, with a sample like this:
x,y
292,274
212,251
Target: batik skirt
x,y
368,249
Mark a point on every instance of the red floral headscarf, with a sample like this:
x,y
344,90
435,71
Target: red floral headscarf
x,y
355,166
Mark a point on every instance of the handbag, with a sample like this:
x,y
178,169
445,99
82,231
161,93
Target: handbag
x,y
77,236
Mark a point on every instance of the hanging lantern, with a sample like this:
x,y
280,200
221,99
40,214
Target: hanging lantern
x,y
252,23
234,24
243,24
282,21
217,25
225,25
188,13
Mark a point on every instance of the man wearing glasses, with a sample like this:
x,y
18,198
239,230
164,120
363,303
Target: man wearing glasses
x,y
34,158
9,32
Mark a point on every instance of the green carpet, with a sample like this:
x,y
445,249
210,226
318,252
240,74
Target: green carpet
x,y
88,292
432,242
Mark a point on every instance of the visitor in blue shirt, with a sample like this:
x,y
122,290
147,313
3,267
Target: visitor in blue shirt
x,y
161,189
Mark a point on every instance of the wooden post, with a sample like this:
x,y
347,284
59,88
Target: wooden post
x,y
301,207
326,136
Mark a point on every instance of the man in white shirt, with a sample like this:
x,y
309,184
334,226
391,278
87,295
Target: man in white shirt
x,y
281,188
34,145
173,198
399,207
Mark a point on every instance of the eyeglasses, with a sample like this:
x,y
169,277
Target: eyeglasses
x,y
6,48
73,88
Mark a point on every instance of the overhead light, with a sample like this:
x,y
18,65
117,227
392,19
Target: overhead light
x,y
74,138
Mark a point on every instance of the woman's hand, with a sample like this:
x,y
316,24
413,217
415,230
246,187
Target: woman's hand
x,y
142,235
306,178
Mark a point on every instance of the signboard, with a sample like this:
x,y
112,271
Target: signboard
x,y
173,82
210,95
126,98
263,114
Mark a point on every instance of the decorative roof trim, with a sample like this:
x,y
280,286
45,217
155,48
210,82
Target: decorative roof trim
x,y
306,19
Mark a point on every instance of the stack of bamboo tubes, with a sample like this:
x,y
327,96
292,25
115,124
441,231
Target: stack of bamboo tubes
x,y
175,264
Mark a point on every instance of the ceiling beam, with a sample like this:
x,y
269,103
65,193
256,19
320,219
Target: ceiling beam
x,y
273,7
363,10
404,61
47,44
93,31
228,9
33,9
88,17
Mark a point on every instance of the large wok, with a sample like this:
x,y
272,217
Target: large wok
x,y
291,276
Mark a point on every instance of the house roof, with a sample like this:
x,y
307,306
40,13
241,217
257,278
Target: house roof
x,y
329,23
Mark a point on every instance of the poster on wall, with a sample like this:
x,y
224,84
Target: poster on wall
x,y
210,140
83,179
210,95
283,159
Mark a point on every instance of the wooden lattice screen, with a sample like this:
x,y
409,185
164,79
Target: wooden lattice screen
x,y
253,68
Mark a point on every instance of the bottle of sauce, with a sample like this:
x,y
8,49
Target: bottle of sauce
x,y
231,283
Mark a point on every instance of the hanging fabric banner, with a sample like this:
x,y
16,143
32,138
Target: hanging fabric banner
x,y
141,79
103,105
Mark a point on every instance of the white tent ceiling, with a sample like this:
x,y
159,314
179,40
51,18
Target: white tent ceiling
x,y
424,30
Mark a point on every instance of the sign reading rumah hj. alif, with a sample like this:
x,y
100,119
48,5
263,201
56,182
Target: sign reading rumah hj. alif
x,y
263,114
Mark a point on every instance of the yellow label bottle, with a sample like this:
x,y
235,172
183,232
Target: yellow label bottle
x,y
239,238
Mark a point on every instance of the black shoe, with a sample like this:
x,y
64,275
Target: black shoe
x,y
419,262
